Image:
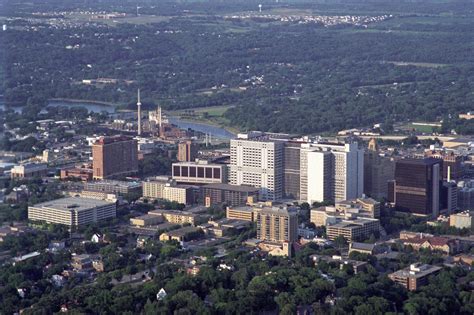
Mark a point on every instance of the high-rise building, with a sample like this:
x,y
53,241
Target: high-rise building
x,y
331,171
292,169
114,156
417,185
256,159
277,224
187,151
378,171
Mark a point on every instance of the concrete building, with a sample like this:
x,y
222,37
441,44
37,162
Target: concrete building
x,y
353,230
114,186
199,172
29,170
331,171
415,276
187,151
292,169
452,164
84,174
72,211
114,156
277,224
366,207
378,171
256,159
462,220
232,195
168,190
465,194
244,213
448,197
417,186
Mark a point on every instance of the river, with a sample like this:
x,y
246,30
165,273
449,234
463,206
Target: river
x,y
214,131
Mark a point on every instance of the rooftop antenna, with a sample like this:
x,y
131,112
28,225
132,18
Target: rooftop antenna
x,y
260,8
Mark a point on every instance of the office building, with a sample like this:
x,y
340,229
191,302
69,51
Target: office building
x,y
114,156
466,195
277,224
182,234
462,220
114,186
231,195
414,276
29,170
378,171
168,190
367,207
448,197
353,230
331,172
187,151
72,211
84,174
417,186
199,172
256,159
292,169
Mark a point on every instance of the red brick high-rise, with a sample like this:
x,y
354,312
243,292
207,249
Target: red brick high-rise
x,y
114,156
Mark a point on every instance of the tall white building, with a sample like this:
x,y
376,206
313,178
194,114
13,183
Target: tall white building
x,y
331,171
256,159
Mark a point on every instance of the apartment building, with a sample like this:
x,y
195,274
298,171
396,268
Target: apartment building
x,y
114,156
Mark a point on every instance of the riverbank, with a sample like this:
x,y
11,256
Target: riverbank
x,y
72,100
207,122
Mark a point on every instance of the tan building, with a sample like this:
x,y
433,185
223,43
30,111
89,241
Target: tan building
x,y
72,211
29,170
114,156
276,224
245,213
378,171
462,220
168,190
181,235
365,207
187,151
353,230
177,217
415,276
433,243
146,220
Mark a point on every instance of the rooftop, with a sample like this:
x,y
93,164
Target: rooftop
x,y
239,188
416,271
73,203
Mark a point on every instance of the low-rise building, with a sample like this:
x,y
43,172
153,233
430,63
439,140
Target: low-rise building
x,y
181,235
434,243
245,213
146,220
231,195
357,265
414,276
177,217
168,190
462,220
199,172
84,174
114,186
352,230
29,170
72,211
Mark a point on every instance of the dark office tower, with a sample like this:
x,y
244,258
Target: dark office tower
x,y
114,156
292,170
187,151
417,185
378,171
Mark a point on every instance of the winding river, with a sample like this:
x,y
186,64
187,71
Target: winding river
x,y
214,131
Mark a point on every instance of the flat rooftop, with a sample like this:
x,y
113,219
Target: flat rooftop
x,y
424,271
238,188
73,203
